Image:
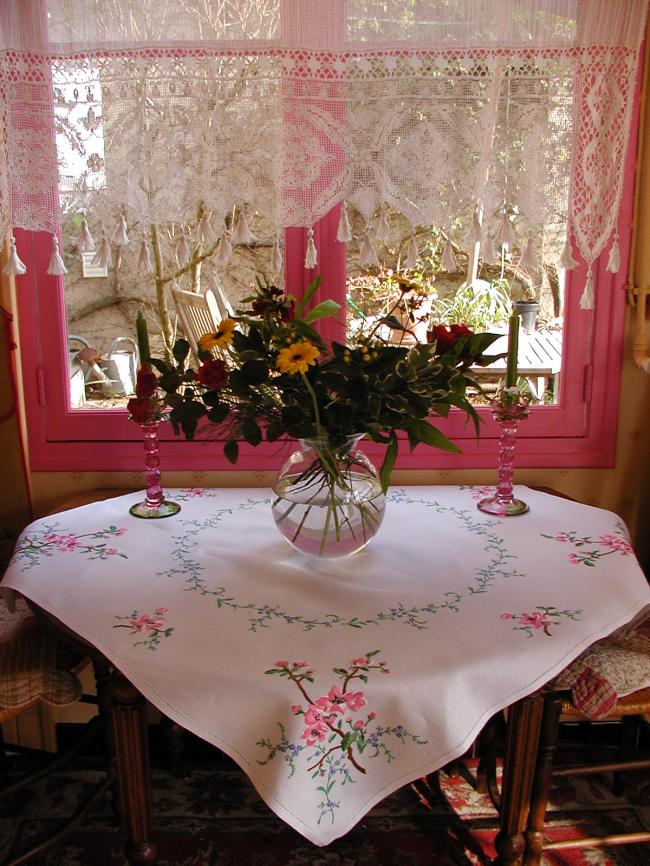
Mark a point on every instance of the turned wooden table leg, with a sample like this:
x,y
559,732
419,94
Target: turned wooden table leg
x,y
132,762
543,777
524,723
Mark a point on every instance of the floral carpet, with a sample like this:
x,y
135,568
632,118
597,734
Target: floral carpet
x,y
213,817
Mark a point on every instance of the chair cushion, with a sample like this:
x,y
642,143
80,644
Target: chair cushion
x,y
611,668
29,672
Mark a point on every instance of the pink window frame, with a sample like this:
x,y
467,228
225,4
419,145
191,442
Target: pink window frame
x,y
579,432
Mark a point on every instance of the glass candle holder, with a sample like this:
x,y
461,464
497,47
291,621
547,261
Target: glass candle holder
x,y
507,415
155,505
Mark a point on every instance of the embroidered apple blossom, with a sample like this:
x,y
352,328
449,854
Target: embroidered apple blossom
x,y
604,545
540,620
336,727
47,541
150,625
477,492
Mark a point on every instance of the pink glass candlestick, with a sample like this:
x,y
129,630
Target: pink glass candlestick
x,y
155,505
503,503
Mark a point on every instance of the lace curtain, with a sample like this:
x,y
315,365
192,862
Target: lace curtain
x,y
504,121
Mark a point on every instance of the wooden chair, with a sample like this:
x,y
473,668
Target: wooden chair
x,y
36,668
560,706
201,313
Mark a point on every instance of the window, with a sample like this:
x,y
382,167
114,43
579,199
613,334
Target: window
x,y
291,101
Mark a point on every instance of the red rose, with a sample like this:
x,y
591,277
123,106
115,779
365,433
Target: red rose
x,y
446,338
260,307
140,409
288,312
213,373
459,331
146,383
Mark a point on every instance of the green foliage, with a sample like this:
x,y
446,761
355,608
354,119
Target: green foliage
x,y
479,305
280,379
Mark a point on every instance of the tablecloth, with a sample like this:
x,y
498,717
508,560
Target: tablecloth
x,y
334,682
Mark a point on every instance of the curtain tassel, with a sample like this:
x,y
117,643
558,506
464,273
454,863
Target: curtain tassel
x,y
224,250
103,257
488,250
86,242
587,299
614,260
311,256
120,237
276,257
144,258
241,233
56,267
14,267
383,227
528,262
205,231
448,259
367,253
566,259
475,229
507,233
182,250
412,254
344,233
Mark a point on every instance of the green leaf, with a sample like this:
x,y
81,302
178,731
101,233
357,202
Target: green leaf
x,y
231,450
170,381
238,383
306,298
251,433
218,414
159,365
422,431
274,430
322,311
389,462
181,350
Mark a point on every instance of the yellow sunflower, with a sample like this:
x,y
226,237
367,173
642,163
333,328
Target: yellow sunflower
x,y
221,339
297,357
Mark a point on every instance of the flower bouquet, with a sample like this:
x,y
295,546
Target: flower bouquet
x,y
275,377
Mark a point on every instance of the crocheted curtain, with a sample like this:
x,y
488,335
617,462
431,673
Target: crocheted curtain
x,y
508,118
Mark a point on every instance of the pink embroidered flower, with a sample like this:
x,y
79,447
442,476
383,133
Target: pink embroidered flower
x,y
283,663
361,662
52,537
137,623
535,619
359,725
507,616
120,531
162,610
300,664
110,551
314,733
296,709
372,716
336,699
561,536
355,700
574,559
196,491
67,543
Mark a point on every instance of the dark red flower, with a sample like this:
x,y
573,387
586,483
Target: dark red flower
x,y
288,311
260,307
146,383
140,409
213,373
447,337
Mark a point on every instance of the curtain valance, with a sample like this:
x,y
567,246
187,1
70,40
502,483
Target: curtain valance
x,y
500,120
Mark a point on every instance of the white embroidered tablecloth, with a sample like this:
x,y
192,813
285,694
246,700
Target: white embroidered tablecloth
x,y
334,682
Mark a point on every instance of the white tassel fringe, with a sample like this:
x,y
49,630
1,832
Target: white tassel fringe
x,y
506,234
144,259
182,250
56,268
448,259
566,259
614,261
86,242
311,256
205,231
528,261
224,250
120,237
412,254
103,257
587,299
344,233
367,254
488,250
14,267
276,257
475,229
383,228
241,233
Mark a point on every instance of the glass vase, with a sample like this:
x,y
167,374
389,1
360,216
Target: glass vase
x,y
155,505
507,416
328,499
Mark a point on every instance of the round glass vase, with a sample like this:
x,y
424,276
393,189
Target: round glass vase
x,y
328,499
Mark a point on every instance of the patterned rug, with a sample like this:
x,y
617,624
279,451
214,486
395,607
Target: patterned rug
x,y
213,817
